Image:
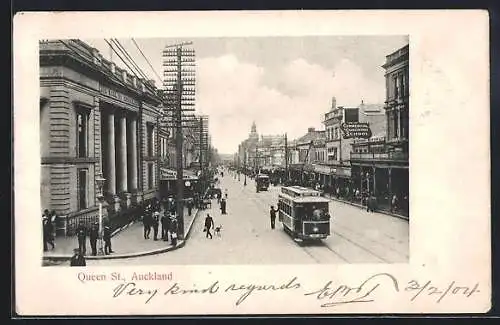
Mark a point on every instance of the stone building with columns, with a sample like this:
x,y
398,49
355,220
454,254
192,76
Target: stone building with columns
x,y
95,119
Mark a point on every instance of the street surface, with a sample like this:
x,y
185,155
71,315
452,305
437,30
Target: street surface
x,y
247,238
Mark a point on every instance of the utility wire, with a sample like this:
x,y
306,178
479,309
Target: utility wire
x,y
129,58
149,63
132,70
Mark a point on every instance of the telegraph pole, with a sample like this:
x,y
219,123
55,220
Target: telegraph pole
x,y
179,84
178,148
201,157
245,166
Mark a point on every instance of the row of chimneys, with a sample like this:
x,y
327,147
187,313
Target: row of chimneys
x,y
97,58
334,104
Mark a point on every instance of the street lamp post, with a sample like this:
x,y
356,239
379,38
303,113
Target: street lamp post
x,y
245,168
100,184
367,175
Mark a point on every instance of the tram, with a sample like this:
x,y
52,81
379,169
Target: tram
x,y
261,182
304,213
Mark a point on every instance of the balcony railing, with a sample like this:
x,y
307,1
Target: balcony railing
x,y
402,156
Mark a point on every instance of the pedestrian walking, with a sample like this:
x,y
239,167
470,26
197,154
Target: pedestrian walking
x,y
171,205
371,203
81,234
209,223
53,219
94,234
272,213
165,221
173,229
107,240
48,230
45,218
190,204
394,202
223,206
50,233
156,223
77,259
147,222
225,193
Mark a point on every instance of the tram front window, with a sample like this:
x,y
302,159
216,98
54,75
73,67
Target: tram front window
x,y
316,211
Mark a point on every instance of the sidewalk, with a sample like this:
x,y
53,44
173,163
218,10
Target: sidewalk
x,y
331,197
127,242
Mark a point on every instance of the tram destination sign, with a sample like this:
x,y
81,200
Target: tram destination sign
x,y
356,130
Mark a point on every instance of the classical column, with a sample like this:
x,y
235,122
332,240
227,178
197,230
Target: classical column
x,y
132,150
123,154
110,166
399,122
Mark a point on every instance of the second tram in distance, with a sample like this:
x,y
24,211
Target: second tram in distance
x,y
304,213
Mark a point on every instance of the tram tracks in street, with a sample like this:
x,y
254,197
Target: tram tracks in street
x,y
371,240
314,250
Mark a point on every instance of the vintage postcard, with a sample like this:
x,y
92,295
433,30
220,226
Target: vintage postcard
x,y
275,162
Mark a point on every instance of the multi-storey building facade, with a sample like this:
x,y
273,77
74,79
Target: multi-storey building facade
x,y
95,119
306,150
381,165
247,149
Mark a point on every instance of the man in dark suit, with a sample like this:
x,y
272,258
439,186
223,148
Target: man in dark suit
x,y
156,223
107,240
272,213
81,234
165,224
77,259
94,233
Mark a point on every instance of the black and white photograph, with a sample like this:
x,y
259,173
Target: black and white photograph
x,y
288,150
251,163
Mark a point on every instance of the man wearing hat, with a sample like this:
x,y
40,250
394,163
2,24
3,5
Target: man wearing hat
x,y
272,213
94,234
156,222
107,240
81,234
77,259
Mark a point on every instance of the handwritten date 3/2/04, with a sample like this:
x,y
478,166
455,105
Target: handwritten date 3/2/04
x,y
440,292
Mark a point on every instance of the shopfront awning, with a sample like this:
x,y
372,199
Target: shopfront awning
x,y
167,174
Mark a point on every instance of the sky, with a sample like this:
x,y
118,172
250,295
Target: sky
x,y
284,84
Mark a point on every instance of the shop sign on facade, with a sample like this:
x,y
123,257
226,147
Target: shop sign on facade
x,y
322,169
343,172
356,130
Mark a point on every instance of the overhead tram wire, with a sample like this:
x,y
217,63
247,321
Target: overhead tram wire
x,y
149,63
145,84
127,55
136,70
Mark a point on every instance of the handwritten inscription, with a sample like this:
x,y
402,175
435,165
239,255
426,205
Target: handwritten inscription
x,y
248,289
429,289
345,294
330,294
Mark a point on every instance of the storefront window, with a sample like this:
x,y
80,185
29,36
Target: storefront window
x,y
82,134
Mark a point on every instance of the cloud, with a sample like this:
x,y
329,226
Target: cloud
x,y
234,93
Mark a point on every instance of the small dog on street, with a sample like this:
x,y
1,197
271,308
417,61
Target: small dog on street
x,y
218,230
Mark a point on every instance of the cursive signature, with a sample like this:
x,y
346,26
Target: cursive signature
x,y
345,294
